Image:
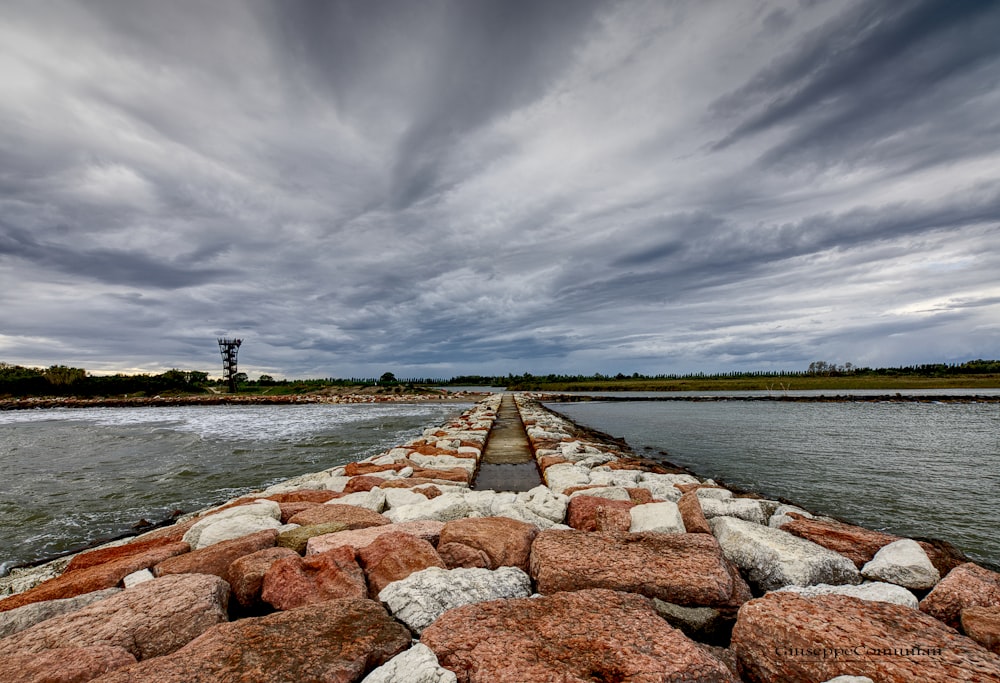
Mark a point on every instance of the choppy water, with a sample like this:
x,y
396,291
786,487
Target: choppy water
x,y
69,476
912,469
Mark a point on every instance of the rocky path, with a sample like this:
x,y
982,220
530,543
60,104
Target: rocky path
x,y
508,463
393,570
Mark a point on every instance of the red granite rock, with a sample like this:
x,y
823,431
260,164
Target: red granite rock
x,y
409,483
93,558
353,516
354,469
174,532
98,577
394,556
246,574
427,529
362,483
216,558
289,510
640,496
337,641
64,664
547,461
455,474
503,542
982,624
576,489
967,585
692,515
856,543
291,582
943,555
786,637
303,496
683,569
430,491
590,635
456,555
150,619
589,513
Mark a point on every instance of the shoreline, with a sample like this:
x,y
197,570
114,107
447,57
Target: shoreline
x,y
725,585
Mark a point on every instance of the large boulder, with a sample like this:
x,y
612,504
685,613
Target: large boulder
x,y
663,517
982,624
297,538
151,619
772,558
490,542
854,542
741,508
113,553
424,596
870,590
337,641
903,563
967,585
351,516
427,529
216,558
246,574
443,508
588,513
392,557
684,569
64,664
592,635
292,582
95,578
689,505
416,665
24,617
234,522
787,637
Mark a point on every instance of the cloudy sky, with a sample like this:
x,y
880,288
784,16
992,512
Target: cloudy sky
x,y
435,187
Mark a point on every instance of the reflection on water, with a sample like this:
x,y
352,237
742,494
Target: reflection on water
x,y
913,469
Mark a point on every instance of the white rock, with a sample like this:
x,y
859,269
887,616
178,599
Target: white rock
x,y
385,459
545,503
489,503
138,577
668,478
742,508
405,473
443,462
717,494
608,492
772,558
850,679
423,596
662,517
780,516
336,484
564,475
873,591
370,500
444,508
591,460
419,664
233,523
903,563
395,498
625,478
17,619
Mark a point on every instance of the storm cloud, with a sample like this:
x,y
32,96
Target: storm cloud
x,y
445,187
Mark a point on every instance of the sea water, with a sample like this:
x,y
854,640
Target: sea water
x,y
922,469
71,476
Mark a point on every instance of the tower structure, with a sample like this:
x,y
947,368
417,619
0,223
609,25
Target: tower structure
x,y
229,349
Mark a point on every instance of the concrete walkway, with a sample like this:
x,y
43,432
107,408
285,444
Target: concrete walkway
x,y
507,463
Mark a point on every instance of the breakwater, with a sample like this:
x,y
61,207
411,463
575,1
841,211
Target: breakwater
x,y
616,568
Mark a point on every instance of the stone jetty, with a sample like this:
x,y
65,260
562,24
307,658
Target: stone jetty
x,y
399,569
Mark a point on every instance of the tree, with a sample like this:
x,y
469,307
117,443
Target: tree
x,y
60,374
387,378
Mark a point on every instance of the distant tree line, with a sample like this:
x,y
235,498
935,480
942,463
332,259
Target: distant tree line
x,y
60,380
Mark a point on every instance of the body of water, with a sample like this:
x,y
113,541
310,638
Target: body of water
x,y
70,476
911,469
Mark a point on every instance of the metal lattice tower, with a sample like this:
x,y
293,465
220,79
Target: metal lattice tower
x,y
229,348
